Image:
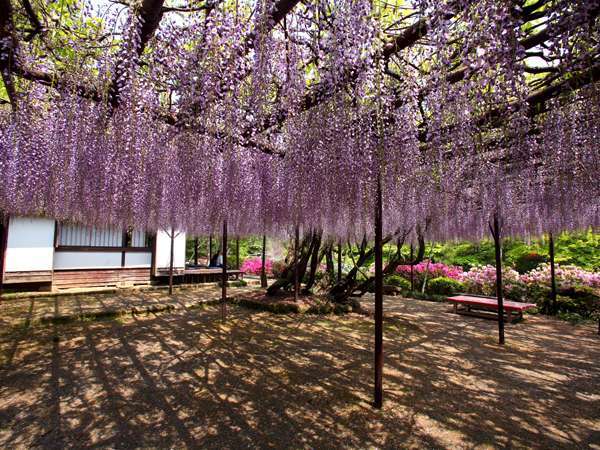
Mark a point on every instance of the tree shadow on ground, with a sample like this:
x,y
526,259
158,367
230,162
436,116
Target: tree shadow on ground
x,y
186,379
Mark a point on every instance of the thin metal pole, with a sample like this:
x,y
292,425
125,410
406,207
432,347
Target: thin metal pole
x,y
209,249
412,275
224,273
195,251
263,272
339,263
497,234
171,257
554,305
237,252
296,275
378,402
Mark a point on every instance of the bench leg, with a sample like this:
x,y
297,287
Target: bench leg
x,y
508,317
456,308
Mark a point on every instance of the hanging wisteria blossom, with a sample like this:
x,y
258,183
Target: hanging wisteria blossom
x,y
278,114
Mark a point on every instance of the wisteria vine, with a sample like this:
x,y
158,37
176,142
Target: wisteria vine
x,y
217,124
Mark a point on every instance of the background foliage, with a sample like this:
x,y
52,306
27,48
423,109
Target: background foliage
x,y
580,249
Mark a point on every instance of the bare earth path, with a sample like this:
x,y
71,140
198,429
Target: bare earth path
x,y
184,379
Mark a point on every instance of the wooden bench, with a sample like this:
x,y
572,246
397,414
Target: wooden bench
x,y
481,306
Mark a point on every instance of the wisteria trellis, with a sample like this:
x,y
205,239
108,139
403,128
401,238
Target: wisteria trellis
x,y
272,122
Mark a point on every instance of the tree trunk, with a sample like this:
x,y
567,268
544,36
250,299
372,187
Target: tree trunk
x,y
287,278
315,259
341,292
263,272
329,263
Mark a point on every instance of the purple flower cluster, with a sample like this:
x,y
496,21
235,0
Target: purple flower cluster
x,y
269,129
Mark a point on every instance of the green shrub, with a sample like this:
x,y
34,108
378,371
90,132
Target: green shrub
x,y
584,301
528,261
320,308
428,297
574,301
397,281
572,317
444,286
276,308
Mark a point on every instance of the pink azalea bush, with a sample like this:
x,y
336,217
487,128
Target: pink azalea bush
x,y
434,270
566,277
529,286
482,280
253,266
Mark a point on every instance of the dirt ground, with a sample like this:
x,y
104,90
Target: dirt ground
x,y
259,380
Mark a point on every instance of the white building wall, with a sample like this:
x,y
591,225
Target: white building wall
x,y
30,244
87,260
138,259
30,247
101,260
163,250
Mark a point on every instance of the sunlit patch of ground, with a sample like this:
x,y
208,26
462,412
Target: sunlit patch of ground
x,y
185,379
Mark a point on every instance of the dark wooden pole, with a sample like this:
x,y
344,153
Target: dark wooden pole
x,y
412,273
339,263
378,402
224,272
172,236
237,252
296,275
263,272
209,248
3,244
195,251
497,234
553,303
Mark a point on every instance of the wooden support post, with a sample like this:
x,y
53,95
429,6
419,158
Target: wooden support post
x,y
497,234
339,263
224,276
3,245
237,253
378,397
196,251
553,297
171,256
263,272
412,266
296,275
209,249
